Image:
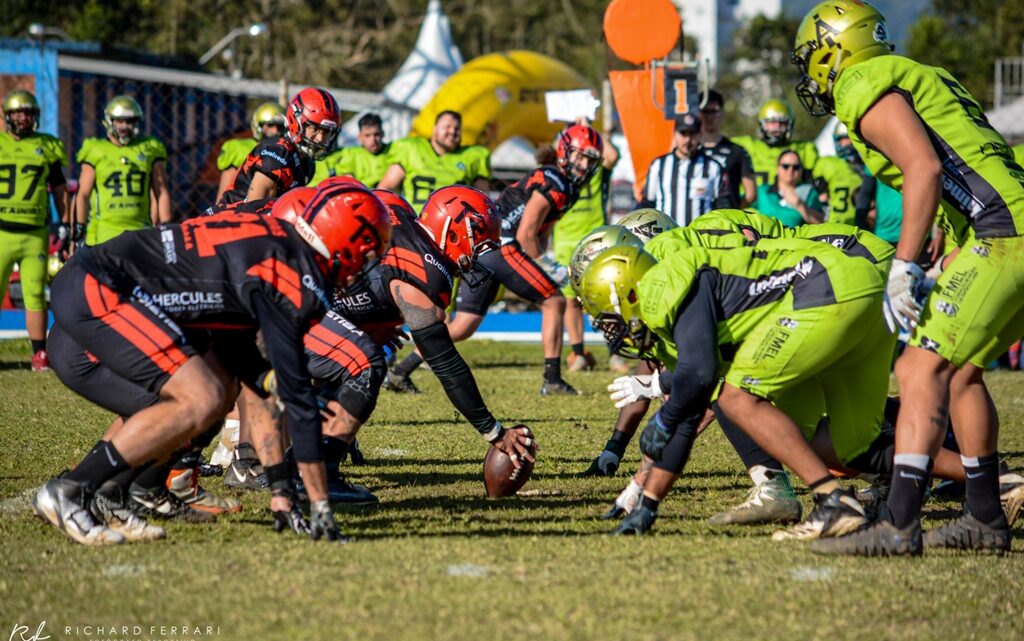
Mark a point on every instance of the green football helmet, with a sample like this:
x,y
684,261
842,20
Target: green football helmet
x,y
594,243
608,291
122,117
845,151
269,113
24,102
833,36
647,223
775,111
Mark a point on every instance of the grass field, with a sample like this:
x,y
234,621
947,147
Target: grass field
x,y
439,561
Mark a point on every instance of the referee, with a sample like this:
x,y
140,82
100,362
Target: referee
x,y
686,182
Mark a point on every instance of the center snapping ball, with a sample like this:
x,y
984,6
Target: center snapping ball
x,y
500,476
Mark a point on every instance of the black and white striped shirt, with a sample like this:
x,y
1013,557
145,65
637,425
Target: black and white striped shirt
x,y
684,188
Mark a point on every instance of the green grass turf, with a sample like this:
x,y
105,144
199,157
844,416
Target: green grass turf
x,y
439,561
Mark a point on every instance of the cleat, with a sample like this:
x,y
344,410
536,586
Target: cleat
x,y
625,502
619,365
340,491
245,471
558,388
400,384
207,469
1011,495
833,515
584,363
184,484
109,505
774,501
874,496
968,533
160,503
62,503
948,491
640,521
356,454
606,464
881,538
222,456
40,361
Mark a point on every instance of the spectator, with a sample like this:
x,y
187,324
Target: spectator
x,y
735,159
367,162
789,199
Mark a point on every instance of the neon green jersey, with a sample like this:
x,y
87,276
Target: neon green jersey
x,y
852,240
588,212
25,168
365,167
765,158
980,179
1018,154
234,152
753,282
665,244
739,220
325,168
120,198
425,171
843,183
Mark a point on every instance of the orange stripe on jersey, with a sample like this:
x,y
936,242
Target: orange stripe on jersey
x,y
530,272
281,277
324,342
408,261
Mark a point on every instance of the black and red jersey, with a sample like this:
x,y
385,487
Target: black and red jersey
x,y
279,159
551,183
412,258
229,271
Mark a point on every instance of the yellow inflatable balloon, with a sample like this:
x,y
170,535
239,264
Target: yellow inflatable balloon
x,y
501,95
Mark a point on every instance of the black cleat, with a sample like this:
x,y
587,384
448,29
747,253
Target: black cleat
x,y
395,382
245,471
340,491
606,464
640,521
356,454
881,538
161,504
968,533
559,388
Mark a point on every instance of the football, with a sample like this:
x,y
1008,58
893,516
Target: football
x,y
500,477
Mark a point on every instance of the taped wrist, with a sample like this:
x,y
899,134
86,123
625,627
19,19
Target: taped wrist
x,y
438,350
279,479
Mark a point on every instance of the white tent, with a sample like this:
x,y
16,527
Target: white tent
x,y
433,59
1009,120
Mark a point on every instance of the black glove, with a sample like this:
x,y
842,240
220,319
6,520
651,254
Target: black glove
x,y
321,522
68,234
655,437
292,517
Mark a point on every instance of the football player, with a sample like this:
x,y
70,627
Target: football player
x,y
34,162
775,121
529,208
129,335
919,131
119,175
267,121
367,162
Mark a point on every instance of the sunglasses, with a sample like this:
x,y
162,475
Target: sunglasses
x,y
786,166
711,111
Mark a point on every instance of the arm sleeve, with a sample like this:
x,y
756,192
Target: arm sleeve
x,y
283,343
865,197
55,176
437,348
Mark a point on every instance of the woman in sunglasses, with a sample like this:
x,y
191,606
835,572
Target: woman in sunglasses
x,y
790,199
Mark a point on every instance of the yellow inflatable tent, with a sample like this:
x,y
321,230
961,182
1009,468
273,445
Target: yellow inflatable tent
x,y
501,95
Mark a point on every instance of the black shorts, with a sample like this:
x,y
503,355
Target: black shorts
x,y
512,267
348,366
134,338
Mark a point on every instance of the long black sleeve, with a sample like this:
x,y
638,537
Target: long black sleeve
x,y
865,198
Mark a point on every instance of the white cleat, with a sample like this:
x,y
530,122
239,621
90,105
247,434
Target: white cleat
x,y
1011,495
110,506
62,503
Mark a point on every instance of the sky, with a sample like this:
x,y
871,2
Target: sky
x,y
899,15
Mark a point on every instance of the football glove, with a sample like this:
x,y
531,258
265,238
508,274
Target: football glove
x,y
655,438
902,308
640,521
606,464
630,389
322,524
67,235
291,518
626,501
556,271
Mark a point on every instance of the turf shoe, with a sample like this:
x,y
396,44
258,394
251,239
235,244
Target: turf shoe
x,y
1011,495
584,363
606,464
968,533
834,514
881,538
184,484
558,388
160,503
395,382
340,491
640,521
40,361
773,501
625,502
874,496
245,471
63,504
110,505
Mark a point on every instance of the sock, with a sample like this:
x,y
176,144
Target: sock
x,y
245,451
760,474
154,477
910,480
408,364
335,450
38,346
185,460
982,475
104,462
650,503
577,349
617,443
825,485
552,370
126,478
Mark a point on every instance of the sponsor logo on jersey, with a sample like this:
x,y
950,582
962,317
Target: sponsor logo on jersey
x,y
947,308
929,344
150,304
38,151
359,301
781,280
310,283
269,153
788,323
436,263
751,381
167,239
189,301
954,187
142,157
981,250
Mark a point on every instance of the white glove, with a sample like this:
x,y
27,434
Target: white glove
x,y
901,307
556,271
629,498
630,389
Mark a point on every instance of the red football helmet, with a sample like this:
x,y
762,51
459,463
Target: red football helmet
x,y
291,205
313,108
345,224
464,223
394,203
586,142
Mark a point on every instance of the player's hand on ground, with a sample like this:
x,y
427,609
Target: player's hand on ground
x,y
901,307
519,444
322,523
630,389
287,514
655,438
